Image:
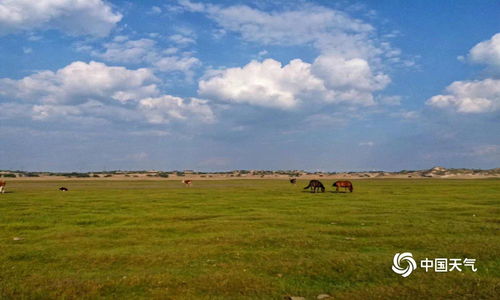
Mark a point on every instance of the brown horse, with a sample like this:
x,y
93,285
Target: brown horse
x,y
187,182
2,186
315,184
345,184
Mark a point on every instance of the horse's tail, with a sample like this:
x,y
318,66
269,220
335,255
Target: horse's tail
x,y
307,186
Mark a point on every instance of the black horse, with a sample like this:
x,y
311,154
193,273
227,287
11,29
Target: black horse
x,y
315,184
63,189
293,180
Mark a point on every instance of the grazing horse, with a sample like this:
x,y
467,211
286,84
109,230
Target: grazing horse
x,y
345,184
187,182
315,184
2,186
293,180
63,189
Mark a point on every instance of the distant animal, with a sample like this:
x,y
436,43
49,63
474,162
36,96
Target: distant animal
x,y
314,185
344,184
2,186
293,180
187,182
63,189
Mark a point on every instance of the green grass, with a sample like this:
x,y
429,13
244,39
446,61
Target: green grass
x,y
250,239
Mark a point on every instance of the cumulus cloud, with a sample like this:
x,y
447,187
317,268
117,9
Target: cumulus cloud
x,y
478,96
475,96
487,52
328,79
265,84
347,69
74,17
349,79
79,82
95,90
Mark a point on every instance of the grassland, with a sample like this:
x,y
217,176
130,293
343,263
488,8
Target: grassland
x,y
249,239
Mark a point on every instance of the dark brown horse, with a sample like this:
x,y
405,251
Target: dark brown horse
x,y
315,184
343,183
293,180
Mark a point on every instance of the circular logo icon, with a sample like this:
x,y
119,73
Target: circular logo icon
x,y
399,262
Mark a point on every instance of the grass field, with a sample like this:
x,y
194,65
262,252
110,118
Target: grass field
x,y
255,239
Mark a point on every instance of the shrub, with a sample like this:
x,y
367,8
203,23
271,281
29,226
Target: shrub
x,y
31,175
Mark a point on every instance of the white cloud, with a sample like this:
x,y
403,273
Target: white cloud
x,y
155,10
146,51
163,109
479,96
74,17
292,27
487,52
79,82
264,84
347,69
475,96
269,84
329,30
97,91
182,39
126,51
185,64
349,79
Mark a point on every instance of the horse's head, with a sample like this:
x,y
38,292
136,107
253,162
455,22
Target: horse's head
x,y
322,189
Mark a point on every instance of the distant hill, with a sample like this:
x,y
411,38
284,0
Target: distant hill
x,y
435,172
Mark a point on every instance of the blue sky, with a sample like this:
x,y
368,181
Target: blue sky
x,y
221,85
